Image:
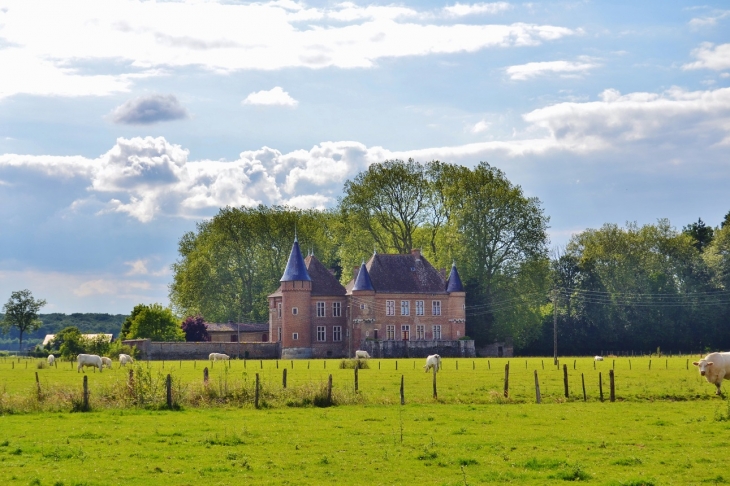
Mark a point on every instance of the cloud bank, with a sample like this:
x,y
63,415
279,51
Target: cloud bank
x,y
273,97
534,69
46,55
148,177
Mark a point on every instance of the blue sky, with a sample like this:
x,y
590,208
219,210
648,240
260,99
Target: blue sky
x,y
123,123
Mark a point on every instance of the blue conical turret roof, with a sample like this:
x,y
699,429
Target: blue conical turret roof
x,y
454,282
363,282
295,267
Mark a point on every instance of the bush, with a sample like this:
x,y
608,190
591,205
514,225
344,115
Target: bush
x,y
351,364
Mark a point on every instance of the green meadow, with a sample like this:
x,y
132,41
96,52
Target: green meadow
x,y
666,426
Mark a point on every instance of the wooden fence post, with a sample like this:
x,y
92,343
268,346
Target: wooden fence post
x,y
261,362
435,393
283,378
574,363
613,386
473,365
86,393
600,385
594,364
277,364
629,365
688,364
356,368
457,365
650,364
506,380
396,365
325,364
666,364
537,389
292,364
205,375
402,392
256,393
489,365
329,390
613,366
38,384
583,381
565,379
168,385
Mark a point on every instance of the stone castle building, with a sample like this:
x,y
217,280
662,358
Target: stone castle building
x,y
390,298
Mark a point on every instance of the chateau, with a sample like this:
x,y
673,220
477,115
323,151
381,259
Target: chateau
x,y
390,298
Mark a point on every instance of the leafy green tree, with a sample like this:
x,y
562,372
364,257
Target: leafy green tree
x,y
701,233
157,323
69,342
726,220
127,324
21,312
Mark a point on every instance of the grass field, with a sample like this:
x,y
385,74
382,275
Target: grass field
x,y
667,427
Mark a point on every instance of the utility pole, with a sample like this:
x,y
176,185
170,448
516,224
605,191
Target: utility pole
x,y
555,326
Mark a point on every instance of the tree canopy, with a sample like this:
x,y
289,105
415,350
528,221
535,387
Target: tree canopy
x,y
21,312
157,323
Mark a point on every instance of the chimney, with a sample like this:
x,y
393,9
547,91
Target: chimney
x,y
416,252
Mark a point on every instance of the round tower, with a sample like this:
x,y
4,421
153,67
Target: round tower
x,y
296,322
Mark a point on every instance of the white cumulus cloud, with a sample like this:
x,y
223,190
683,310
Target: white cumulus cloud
x,y
710,56
464,9
273,97
530,70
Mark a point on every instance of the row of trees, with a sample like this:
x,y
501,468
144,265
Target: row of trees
x,y
475,217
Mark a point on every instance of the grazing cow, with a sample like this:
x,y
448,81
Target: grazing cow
x,y
598,358
218,357
51,360
433,361
88,360
360,354
106,362
124,359
714,367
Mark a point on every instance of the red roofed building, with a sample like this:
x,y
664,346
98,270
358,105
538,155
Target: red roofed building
x,y
391,299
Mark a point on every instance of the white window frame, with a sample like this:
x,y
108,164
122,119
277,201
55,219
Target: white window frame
x,y
405,328
405,307
336,309
321,334
435,307
321,309
336,333
294,311
389,307
295,336
420,332
437,332
278,309
419,307
390,332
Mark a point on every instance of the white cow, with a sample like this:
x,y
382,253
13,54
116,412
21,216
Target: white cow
x,y
124,359
714,367
218,357
88,360
106,362
598,358
51,360
433,361
360,354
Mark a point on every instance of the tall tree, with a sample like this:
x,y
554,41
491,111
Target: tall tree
x,y
157,323
21,312
701,233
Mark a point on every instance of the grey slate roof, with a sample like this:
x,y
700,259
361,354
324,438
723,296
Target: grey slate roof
x,y
454,283
295,268
323,282
403,274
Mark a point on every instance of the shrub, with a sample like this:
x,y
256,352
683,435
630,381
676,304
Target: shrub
x,y
351,364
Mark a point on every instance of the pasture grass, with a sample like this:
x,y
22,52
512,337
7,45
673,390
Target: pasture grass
x,y
659,431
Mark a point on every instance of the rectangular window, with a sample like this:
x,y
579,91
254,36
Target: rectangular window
x,y
320,309
389,307
419,307
437,332
375,334
295,336
405,307
336,309
436,307
337,333
420,333
390,332
321,333
279,334
405,332
278,310
234,338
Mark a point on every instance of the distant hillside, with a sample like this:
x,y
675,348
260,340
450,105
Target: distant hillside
x,y
52,323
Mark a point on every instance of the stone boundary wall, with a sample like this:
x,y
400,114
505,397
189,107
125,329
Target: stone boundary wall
x,y
420,349
200,350
506,350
